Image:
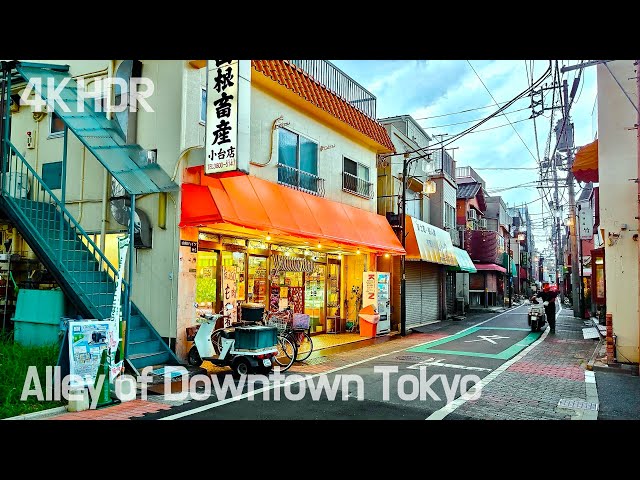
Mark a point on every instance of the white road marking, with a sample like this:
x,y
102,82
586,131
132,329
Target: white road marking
x,y
438,363
488,338
225,401
461,400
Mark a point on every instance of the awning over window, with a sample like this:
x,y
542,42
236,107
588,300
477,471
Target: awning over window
x,y
465,264
585,163
428,243
490,267
253,203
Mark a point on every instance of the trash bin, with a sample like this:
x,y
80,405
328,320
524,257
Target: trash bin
x,y
251,312
38,316
369,319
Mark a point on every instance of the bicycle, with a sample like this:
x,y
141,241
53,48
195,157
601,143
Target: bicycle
x,y
297,334
286,348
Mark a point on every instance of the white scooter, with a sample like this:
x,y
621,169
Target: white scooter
x,y
536,316
245,349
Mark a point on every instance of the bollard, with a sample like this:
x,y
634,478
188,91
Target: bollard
x,y
610,346
104,397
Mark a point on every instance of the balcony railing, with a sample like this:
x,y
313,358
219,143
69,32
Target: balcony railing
x,y
468,172
340,83
356,185
300,180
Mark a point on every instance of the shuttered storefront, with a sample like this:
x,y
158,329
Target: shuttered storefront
x,y
450,287
422,292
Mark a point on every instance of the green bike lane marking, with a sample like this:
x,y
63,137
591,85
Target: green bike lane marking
x,y
504,355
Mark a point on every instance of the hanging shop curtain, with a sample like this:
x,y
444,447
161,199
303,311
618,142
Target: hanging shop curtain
x,y
282,263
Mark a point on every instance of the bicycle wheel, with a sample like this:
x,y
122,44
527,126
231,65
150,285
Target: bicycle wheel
x,y
304,345
286,353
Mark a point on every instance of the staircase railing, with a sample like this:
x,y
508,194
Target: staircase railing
x,y
46,214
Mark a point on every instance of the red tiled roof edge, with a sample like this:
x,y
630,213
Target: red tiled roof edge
x,y
299,82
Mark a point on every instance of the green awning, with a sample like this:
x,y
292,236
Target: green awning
x,y
464,261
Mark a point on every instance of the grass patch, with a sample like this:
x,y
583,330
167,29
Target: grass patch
x,y
14,361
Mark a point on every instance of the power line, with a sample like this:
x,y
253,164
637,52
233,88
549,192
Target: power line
x,y
443,143
456,113
505,115
471,121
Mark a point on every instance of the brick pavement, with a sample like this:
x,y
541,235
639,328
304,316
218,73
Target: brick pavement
x,y
531,388
121,411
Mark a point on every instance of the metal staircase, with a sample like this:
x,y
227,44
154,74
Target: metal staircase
x,y
79,266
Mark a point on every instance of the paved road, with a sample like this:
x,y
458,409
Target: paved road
x,y
415,383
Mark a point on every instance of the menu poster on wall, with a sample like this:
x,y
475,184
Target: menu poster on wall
x,y
87,340
296,299
274,298
229,277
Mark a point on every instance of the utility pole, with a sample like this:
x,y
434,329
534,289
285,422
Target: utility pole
x,y
403,280
573,238
556,228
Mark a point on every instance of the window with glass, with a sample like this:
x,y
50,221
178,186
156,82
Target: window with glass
x,y
297,161
449,216
206,279
234,261
414,204
203,105
355,178
56,125
257,284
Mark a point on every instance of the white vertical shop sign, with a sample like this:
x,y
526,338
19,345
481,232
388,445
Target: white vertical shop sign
x,y
222,116
585,220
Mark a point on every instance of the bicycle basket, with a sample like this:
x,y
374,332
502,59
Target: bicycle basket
x,y
280,320
301,321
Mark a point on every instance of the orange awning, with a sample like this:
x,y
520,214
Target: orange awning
x,y
585,163
250,202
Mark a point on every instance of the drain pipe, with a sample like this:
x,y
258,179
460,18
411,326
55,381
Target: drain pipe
x,y
107,176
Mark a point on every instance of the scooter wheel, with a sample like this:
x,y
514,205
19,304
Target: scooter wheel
x,y
194,357
241,366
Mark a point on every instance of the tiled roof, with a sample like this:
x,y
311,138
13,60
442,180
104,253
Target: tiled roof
x,y
302,84
467,190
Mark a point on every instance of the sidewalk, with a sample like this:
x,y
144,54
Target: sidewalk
x,y
550,382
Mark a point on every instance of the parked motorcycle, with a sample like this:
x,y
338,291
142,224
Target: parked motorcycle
x,y
536,316
245,349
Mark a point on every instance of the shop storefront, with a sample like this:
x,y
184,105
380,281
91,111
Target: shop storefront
x,y
429,251
460,274
263,243
484,285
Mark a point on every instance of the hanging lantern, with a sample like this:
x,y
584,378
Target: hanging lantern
x,y
429,187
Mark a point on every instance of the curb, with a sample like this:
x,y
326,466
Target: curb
x,y
51,412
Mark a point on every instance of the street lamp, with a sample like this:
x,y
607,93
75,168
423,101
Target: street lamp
x,y
403,223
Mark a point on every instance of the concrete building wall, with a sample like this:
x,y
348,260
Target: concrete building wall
x,y
266,108
617,158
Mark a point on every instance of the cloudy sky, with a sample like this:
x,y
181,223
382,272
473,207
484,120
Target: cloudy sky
x,y
433,91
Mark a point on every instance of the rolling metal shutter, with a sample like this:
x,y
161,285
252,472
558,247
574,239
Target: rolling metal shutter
x,y
422,292
430,298
451,292
414,293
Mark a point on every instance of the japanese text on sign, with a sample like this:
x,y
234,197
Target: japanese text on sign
x,y
222,116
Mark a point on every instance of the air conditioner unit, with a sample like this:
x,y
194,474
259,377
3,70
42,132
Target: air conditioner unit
x,y
472,215
482,223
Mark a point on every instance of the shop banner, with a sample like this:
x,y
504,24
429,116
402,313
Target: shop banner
x,y
116,308
229,278
87,340
369,289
